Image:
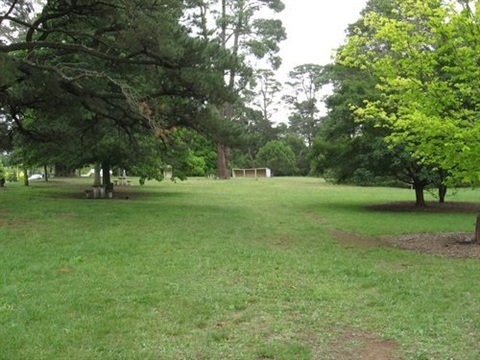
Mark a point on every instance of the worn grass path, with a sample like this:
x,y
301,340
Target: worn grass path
x,y
242,269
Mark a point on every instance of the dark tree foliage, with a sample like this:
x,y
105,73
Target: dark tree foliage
x,y
92,80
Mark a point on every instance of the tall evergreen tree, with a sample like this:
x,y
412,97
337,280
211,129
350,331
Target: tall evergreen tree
x,y
128,66
306,82
238,28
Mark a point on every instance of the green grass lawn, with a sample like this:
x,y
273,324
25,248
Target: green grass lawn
x,y
239,269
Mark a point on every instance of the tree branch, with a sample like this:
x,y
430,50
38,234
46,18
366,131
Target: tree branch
x,y
155,60
9,11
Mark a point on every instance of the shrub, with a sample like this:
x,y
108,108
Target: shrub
x,y
277,156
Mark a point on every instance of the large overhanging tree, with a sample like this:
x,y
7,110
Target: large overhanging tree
x,y
429,80
126,65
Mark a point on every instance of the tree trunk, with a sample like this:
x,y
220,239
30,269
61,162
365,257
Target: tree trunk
x,y
251,158
25,176
45,171
106,180
227,109
477,230
222,162
442,192
96,175
419,196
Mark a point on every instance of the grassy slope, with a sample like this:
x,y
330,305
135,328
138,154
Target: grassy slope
x,y
242,269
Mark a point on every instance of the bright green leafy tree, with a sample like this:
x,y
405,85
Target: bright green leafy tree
x,y
356,150
429,80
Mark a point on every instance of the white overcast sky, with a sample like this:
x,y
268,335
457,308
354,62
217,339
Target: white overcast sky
x,y
314,29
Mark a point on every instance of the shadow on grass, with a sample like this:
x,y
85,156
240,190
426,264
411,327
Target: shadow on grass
x,y
62,189
451,207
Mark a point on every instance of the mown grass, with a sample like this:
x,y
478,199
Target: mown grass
x,y
242,269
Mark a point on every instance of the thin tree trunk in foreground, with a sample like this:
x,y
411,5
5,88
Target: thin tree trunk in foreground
x,y
477,230
442,192
419,196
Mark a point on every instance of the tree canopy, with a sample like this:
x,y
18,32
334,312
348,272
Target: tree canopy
x,y
92,77
426,59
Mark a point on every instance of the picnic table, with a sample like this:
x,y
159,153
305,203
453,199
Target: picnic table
x,y
122,181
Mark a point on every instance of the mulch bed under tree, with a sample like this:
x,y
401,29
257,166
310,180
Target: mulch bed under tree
x,y
451,244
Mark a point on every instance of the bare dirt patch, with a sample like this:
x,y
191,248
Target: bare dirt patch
x,y
451,244
454,244
353,345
